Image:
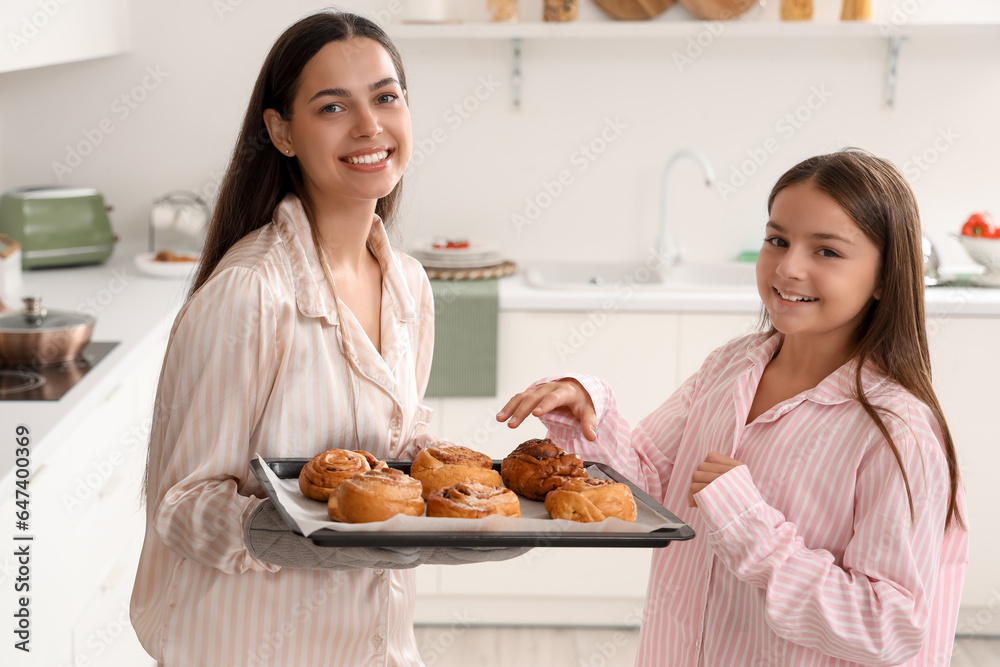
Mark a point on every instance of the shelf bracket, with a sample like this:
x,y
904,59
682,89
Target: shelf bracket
x,y
515,75
892,70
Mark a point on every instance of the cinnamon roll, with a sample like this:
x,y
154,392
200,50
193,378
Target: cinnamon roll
x,y
445,464
375,495
538,466
588,500
472,500
324,472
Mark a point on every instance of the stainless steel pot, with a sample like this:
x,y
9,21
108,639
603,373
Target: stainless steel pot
x,y
38,337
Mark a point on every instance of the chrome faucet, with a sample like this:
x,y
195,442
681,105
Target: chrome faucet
x,y
666,249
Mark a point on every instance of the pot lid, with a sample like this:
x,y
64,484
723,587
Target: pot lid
x,y
34,318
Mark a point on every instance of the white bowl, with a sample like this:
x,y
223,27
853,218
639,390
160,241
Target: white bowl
x,y
985,252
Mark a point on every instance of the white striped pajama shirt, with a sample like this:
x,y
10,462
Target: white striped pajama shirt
x,y
806,556
259,362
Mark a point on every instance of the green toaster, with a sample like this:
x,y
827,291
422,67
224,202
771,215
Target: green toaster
x,y
57,225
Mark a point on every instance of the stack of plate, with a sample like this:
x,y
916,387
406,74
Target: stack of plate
x,y
474,256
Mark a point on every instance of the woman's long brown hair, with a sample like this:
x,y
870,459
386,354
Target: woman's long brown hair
x,y
893,335
258,176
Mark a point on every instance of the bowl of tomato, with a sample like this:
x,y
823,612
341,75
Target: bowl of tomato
x,y
981,239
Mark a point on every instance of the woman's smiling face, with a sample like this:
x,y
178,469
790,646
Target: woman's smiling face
x,y
350,125
817,272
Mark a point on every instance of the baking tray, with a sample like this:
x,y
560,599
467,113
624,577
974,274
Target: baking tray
x,y
290,468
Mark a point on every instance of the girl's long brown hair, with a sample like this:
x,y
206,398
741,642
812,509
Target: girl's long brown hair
x,y
258,176
893,335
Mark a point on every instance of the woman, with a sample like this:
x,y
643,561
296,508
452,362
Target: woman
x,y
303,331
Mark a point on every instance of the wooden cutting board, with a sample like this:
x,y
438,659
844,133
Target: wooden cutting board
x,y
717,10
633,10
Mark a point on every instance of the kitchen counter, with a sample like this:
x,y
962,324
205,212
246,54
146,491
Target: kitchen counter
x,y
135,310
517,295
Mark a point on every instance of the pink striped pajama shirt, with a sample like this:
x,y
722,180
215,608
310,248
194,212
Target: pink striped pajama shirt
x,y
806,555
260,363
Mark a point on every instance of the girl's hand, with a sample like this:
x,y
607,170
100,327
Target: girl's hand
x,y
563,394
714,466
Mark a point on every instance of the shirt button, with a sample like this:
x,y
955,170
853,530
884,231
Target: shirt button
x,y
376,640
379,572
394,424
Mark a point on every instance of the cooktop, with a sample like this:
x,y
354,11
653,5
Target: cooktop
x,y
50,382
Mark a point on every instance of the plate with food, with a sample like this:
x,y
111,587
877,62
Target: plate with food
x,y
167,264
453,496
456,253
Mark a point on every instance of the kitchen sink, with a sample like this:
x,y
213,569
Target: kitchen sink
x,y
722,276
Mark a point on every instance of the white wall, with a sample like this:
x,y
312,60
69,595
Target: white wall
x,y
170,111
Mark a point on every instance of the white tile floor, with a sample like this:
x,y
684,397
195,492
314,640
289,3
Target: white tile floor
x,y
587,647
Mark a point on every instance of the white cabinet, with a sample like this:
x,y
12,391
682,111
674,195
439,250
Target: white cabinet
x,y
966,372
88,522
47,32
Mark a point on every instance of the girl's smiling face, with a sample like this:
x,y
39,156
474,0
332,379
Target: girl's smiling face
x,y
817,272
350,124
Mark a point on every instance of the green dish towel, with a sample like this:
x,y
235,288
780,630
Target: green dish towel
x,y
465,338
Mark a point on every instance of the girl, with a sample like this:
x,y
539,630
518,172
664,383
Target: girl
x,y
303,331
813,460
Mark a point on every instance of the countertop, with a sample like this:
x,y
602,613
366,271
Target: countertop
x,y
137,311
517,295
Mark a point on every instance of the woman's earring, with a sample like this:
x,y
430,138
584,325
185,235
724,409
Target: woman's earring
x,y
286,151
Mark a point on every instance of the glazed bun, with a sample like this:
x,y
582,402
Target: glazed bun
x,y
375,495
472,500
588,500
446,464
324,472
538,466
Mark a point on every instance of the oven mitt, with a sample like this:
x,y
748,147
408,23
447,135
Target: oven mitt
x,y
269,539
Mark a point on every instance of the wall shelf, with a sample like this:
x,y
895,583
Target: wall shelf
x,y
664,29
518,31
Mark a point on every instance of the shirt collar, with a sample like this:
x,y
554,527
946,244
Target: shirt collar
x,y
314,295
835,388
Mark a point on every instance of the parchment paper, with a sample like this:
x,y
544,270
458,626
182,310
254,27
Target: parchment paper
x,y
311,515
